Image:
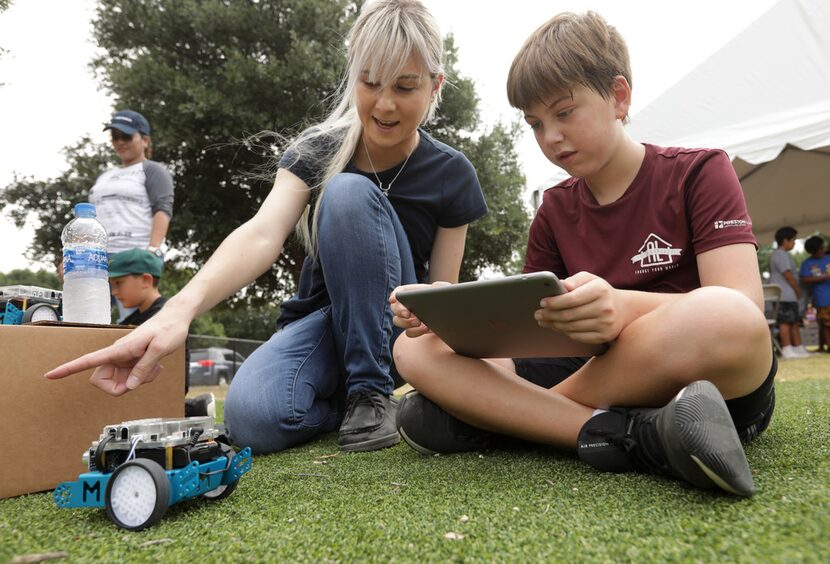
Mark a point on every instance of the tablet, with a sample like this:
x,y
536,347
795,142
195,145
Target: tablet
x,y
494,318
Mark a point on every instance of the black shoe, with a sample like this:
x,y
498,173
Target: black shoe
x,y
692,438
430,430
369,423
200,406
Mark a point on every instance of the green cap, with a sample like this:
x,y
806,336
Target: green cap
x,y
135,261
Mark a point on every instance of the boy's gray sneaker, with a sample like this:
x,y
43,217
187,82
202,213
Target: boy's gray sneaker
x,y
430,430
692,438
369,423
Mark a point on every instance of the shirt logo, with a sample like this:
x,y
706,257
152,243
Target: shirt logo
x,y
724,223
655,251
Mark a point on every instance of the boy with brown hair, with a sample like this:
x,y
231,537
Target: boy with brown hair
x,y
656,249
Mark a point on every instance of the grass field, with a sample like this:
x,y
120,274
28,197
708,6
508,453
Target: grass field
x,y
311,503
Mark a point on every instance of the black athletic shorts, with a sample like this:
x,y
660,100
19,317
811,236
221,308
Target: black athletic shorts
x,y
750,413
788,312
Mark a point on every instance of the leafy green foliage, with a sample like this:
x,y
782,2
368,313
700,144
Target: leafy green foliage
x,y
458,111
247,322
51,200
764,255
237,319
494,240
42,278
208,74
4,5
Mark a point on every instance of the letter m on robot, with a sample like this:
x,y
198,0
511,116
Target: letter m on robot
x,y
91,488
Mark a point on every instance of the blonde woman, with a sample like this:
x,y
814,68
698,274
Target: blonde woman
x,y
378,203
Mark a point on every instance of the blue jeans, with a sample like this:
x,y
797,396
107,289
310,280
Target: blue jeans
x,y
294,387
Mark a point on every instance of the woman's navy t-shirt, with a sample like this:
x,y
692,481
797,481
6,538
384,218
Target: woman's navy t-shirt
x,y
438,187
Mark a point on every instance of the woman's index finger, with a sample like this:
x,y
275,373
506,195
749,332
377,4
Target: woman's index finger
x,y
85,362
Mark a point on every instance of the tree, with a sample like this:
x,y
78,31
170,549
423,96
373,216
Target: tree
x,y
51,200
24,277
495,241
249,322
4,5
209,74
498,240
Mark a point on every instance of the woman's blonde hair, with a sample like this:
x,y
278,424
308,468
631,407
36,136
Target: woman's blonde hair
x,y
566,51
395,29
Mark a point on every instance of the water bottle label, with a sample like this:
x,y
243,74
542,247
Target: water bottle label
x,y
84,259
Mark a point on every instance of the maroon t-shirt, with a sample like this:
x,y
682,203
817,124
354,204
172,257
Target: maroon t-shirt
x,y
681,203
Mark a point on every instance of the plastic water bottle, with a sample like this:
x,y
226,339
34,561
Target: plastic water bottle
x,y
86,290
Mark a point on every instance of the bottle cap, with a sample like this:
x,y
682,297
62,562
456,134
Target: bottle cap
x,y
84,210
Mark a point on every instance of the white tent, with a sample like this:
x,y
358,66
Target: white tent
x,y
765,99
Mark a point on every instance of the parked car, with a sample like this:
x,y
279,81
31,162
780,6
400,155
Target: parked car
x,y
213,366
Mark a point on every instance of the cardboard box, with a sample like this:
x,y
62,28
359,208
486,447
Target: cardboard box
x,y
47,425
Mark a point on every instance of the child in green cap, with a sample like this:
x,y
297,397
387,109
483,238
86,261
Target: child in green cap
x,y
134,279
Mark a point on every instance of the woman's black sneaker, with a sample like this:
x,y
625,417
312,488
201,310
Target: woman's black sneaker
x,y
369,423
692,438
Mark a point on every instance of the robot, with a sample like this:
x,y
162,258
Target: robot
x,y
138,469
27,304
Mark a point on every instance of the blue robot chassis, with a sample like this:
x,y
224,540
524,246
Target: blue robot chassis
x,y
140,468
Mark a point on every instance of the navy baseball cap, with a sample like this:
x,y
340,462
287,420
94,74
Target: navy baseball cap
x,y
129,122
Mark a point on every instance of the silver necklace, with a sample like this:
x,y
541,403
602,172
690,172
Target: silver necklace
x,y
388,186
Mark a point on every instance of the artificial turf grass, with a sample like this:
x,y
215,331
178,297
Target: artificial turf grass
x,y
533,505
